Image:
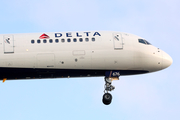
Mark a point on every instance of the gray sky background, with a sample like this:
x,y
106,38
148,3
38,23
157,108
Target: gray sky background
x,y
153,96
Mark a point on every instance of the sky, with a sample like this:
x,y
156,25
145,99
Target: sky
x,y
153,96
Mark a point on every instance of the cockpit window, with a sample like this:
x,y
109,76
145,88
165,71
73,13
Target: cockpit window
x,y
144,41
147,42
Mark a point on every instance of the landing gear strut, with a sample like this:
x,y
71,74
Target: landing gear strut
x,y
109,77
107,97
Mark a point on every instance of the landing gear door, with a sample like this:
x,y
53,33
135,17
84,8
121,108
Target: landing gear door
x,y
118,42
8,41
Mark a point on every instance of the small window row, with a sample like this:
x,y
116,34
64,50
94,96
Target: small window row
x,y
62,40
144,41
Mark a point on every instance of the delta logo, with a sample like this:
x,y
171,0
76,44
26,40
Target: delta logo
x,y
44,36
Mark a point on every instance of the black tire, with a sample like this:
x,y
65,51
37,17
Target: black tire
x,y
105,102
107,98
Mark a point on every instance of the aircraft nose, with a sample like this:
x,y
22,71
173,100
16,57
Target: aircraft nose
x,y
167,60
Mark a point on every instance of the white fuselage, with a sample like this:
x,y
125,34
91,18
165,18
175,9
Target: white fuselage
x,y
93,51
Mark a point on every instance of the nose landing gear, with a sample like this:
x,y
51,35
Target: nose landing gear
x,y
107,97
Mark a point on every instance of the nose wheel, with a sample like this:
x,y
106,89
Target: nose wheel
x,y
107,97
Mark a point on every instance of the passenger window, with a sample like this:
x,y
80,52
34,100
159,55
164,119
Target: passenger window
x,y
62,40
75,40
142,41
32,41
38,41
44,41
56,40
50,40
80,39
93,39
86,39
69,40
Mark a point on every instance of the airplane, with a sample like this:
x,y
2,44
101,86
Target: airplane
x,y
79,54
